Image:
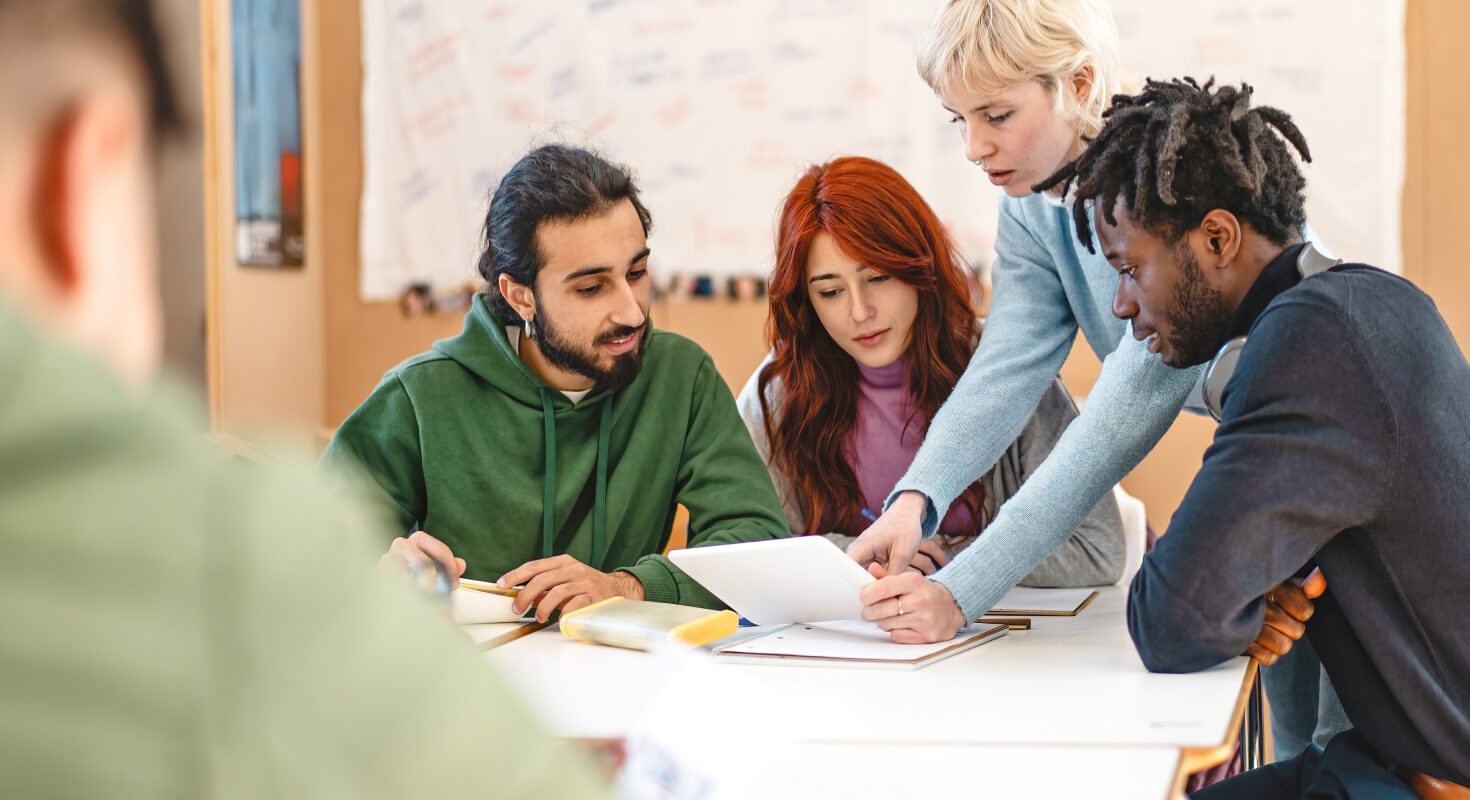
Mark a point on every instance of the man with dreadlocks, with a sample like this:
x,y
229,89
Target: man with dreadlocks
x,y
1026,83
1344,438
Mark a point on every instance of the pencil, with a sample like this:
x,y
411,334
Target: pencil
x,y
1013,623
487,588
506,638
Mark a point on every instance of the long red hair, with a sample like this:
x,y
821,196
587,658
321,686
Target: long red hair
x,y
878,220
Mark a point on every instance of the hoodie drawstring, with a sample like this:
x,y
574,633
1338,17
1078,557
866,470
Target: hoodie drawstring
x,y
548,501
599,506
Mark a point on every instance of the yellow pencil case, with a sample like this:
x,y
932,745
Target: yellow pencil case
x,y
642,625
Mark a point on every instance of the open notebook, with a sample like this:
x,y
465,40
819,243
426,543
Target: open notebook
x,y
850,643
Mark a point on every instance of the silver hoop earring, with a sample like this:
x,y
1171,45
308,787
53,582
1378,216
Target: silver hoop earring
x,y
527,322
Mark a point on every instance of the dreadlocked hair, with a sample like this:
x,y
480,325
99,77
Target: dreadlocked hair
x,y
1178,150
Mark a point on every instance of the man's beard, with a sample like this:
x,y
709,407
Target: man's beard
x,y
561,352
1199,317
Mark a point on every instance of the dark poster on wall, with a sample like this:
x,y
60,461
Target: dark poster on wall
x,y
266,44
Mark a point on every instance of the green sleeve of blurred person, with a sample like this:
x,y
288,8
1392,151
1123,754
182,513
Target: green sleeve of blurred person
x,y
179,625
376,452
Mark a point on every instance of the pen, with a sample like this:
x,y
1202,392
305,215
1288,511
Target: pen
x,y
432,577
487,588
869,516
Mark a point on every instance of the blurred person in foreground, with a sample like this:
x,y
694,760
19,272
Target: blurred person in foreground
x,y
177,625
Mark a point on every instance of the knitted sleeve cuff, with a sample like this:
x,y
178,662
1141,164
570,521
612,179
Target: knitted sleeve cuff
x,y
659,585
930,525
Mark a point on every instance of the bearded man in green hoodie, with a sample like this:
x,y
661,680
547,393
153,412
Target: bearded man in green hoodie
x,y
549,443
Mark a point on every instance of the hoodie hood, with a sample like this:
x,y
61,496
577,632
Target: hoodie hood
x,y
483,349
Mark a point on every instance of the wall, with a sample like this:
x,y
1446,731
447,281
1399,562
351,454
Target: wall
x,y
265,342
354,343
1437,169
362,339
181,199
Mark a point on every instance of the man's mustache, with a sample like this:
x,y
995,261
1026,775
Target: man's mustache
x,y
620,333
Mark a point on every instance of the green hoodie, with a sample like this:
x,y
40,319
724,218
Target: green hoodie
x,y
461,439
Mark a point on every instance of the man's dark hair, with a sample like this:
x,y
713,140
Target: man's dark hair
x,y
30,26
551,183
1178,150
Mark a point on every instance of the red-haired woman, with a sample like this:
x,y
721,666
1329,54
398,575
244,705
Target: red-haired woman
x,y
871,326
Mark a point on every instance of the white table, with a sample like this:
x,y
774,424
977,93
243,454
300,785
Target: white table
x,y
1070,689
893,771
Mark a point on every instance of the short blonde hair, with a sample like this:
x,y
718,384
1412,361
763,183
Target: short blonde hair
x,y
992,45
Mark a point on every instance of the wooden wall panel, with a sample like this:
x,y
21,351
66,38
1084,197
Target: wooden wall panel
x,y
264,330
1437,175
362,339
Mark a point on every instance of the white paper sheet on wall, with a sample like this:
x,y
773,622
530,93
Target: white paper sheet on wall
x,y
719,105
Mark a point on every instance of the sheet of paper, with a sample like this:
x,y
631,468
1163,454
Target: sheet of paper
x,y
471,607
1024,599
846,639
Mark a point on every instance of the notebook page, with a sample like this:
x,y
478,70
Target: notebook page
x,y
1024,599
853,639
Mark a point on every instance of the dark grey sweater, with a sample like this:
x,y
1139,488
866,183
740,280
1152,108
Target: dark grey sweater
x,y
1345,443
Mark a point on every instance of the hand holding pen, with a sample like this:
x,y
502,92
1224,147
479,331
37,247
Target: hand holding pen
x,y
430,563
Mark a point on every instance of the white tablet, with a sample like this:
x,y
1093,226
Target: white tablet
x,y
801,579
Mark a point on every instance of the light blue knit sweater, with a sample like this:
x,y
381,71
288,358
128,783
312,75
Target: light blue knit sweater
x,y
1046,286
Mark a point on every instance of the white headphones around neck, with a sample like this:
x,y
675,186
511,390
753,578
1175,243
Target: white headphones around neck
x,y
1309,262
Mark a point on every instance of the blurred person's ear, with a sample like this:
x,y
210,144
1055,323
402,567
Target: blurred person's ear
x,y
92,226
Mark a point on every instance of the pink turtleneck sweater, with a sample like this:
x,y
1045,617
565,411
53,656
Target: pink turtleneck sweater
x,y
879,448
